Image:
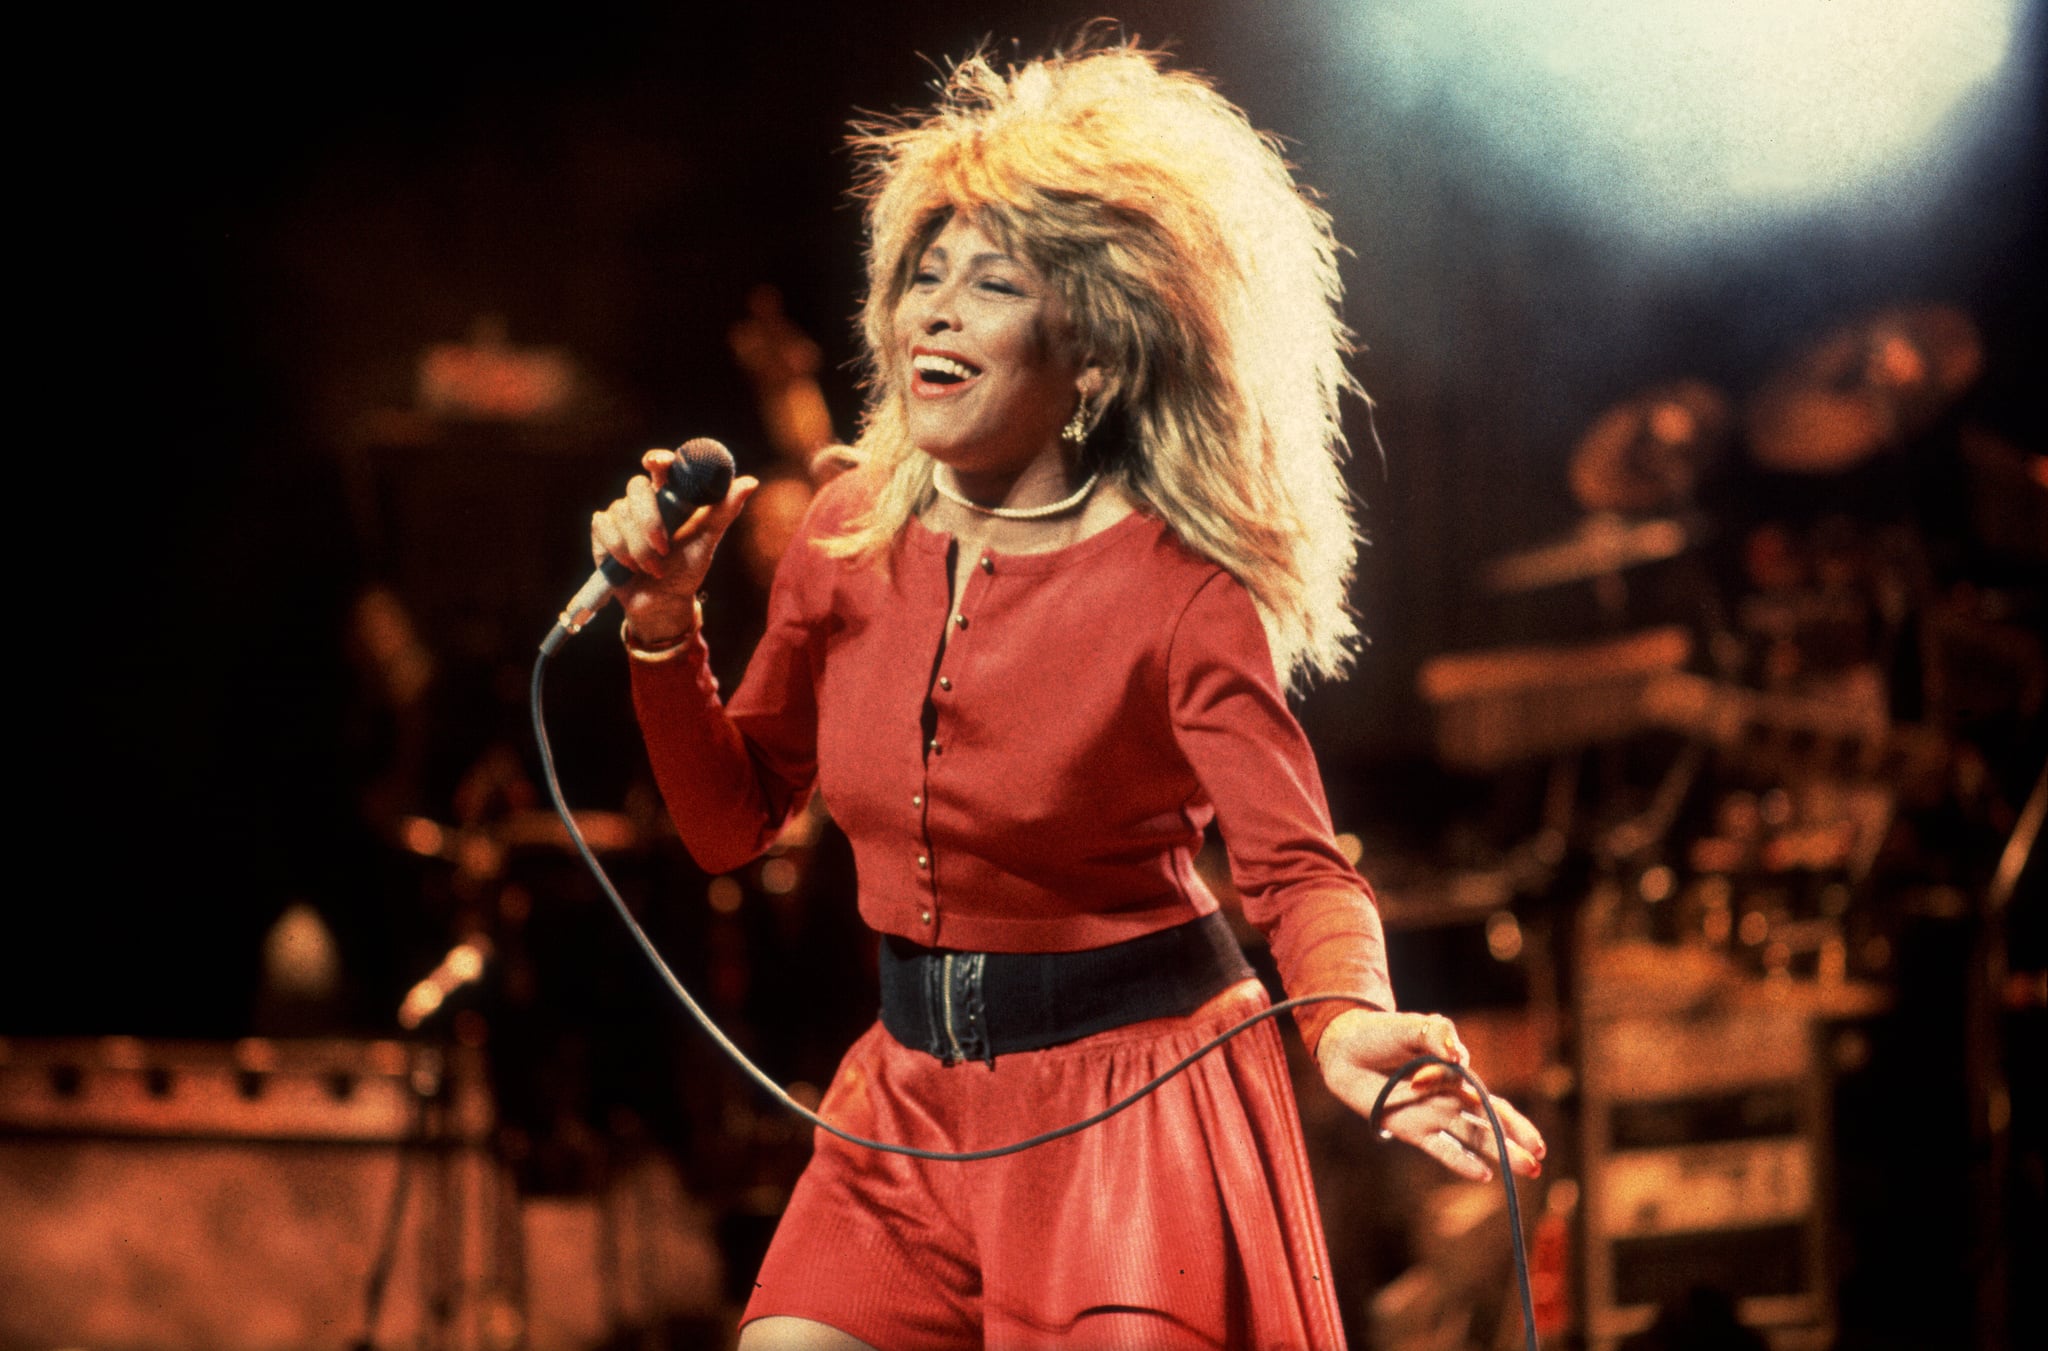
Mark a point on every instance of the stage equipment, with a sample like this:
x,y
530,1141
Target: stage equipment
x,y
481,850
1791,733
1601,545
1503,705
1866,387
462,967
1649,453
222,1197
1704,1145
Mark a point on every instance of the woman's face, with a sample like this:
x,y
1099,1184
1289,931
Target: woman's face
x,y
991,375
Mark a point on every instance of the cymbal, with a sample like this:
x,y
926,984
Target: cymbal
x,y
1648,453
481,849
1863,388
1601,545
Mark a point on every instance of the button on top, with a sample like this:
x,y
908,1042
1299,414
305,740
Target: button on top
x,y
917,799
945,682
932,746
924,860
959,621
987,564
924,917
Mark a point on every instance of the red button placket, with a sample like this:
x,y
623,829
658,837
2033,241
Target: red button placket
x,y
941,696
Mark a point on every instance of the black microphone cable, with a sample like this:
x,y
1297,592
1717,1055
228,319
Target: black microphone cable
x,y
760,1076
777,1092
1500,1144
699,477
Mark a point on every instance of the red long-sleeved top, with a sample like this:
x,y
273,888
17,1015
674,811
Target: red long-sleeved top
x,y
1044,783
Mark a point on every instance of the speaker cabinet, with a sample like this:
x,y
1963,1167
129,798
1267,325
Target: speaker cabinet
x,y
1705,1160
223,1197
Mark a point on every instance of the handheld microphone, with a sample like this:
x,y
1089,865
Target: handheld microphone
x,y
699,478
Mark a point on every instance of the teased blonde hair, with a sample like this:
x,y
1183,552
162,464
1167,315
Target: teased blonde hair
x,y
1193,270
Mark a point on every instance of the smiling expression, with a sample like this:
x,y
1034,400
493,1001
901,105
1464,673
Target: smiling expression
x,y
990,371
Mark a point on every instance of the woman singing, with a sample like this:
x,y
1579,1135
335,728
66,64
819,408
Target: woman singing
x,y
1030,652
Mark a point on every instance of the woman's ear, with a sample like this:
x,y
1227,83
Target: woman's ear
x,y
1090,382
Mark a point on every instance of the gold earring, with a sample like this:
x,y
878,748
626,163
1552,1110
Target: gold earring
x,y
1076,430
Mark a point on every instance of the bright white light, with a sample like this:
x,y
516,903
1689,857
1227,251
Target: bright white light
x,y
1677,113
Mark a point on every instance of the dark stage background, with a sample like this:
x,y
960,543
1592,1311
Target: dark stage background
x,y
249,229
258,229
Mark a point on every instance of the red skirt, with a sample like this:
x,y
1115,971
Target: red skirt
x,y
1187,1221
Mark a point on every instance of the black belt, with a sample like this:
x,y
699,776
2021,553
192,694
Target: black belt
x,y
978,1005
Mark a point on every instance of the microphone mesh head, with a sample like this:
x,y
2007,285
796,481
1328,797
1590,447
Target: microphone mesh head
x,y
702,472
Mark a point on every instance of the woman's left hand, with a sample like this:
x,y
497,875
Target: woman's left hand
x,y
1434,1110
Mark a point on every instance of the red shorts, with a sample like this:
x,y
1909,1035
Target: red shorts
x,y
1187,1221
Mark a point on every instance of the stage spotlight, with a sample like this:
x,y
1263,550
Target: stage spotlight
x,y
1686,115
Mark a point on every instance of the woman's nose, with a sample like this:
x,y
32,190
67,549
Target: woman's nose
x,y
940,310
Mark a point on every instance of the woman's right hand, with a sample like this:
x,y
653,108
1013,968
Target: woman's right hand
x,y
668,569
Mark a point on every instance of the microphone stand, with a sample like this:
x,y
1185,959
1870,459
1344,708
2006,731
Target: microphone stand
x,y
427,1081
431,1084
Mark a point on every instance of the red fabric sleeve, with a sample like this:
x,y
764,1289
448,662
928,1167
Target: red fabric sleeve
x,y
1332,943
1233,724
731,775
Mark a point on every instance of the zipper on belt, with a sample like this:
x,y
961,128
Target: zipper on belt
x,y
946,1009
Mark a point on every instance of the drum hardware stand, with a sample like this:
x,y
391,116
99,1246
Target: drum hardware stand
x,y
1990,1093
432,1142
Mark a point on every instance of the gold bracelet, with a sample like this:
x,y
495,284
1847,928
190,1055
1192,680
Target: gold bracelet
x,y
668,647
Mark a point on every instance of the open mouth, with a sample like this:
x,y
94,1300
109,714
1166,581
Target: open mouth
x,y
935,372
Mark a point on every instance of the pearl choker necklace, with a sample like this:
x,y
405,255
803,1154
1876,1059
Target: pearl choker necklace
x,y
941,474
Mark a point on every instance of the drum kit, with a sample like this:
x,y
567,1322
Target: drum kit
x,y
1798,711
1862,393
1864,390
1790,791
